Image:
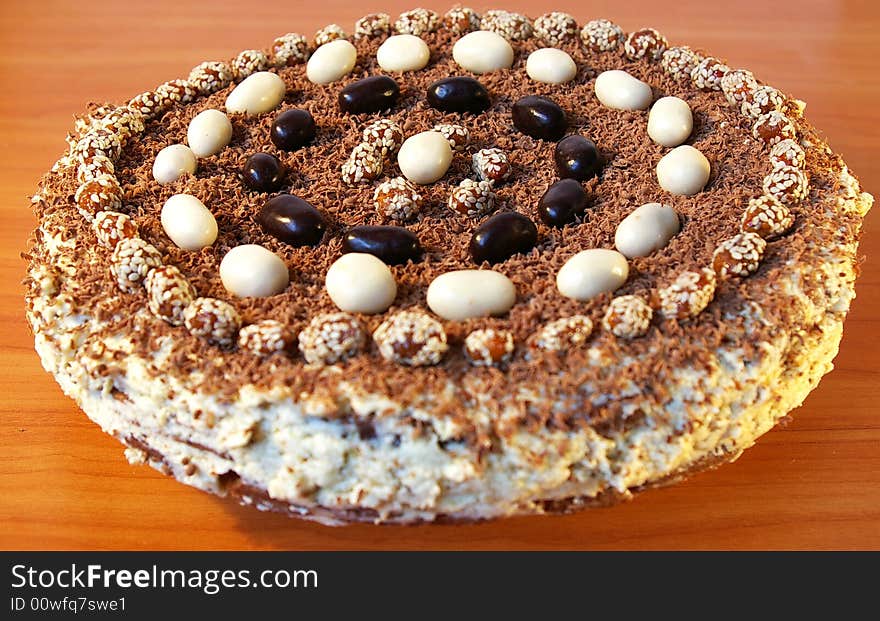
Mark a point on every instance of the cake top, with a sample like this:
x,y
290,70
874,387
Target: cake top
x,y
616,246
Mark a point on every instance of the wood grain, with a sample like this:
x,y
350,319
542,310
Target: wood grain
x,y
63,484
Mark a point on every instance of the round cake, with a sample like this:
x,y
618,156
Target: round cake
x,y
444,267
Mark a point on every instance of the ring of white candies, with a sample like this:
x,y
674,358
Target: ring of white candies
x,y
190,225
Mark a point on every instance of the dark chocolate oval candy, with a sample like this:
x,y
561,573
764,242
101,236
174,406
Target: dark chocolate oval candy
x,y
292,129
577,157
263,172
502,236
292,220
562,202
372,94
539,117
459,94
392,244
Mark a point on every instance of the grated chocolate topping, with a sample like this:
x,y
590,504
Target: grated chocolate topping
x,y
556,381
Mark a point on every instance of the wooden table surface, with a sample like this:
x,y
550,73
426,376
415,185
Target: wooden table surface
x,y
64,484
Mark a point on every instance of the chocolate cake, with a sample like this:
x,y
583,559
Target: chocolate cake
x,y
444,267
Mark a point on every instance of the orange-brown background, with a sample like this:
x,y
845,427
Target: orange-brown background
x,y
64,484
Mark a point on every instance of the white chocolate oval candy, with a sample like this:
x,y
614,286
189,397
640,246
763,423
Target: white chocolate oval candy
x,y
683,171
331,61
259,92
360,283
591,272
251,271
648,228
670,121
404,52
425,157
466,294
173,161
188,222
208,133
482,51
618,89
550,65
